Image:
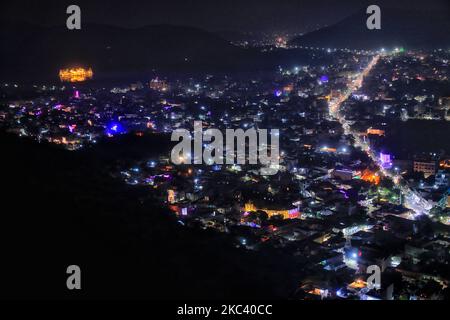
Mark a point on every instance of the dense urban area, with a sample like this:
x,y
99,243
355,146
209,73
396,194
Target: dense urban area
x,y
364,168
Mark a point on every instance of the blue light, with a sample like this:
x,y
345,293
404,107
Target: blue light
x,y
114,128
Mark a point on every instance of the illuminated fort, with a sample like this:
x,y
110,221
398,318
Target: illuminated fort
x,y
75,74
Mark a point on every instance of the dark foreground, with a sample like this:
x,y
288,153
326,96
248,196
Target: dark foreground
x,y
61,208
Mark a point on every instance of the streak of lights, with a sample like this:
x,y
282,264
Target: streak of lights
x,y
413,200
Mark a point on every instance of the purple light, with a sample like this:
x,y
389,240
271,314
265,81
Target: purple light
x,y
324,79
385,160
253,225
278,93
293,213
72,128
344,193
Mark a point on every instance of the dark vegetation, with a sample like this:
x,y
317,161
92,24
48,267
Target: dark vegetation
x,y
61,208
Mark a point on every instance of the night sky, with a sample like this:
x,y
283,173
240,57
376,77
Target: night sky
x,y
244,15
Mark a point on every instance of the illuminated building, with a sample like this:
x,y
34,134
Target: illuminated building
x,y
281,42
370,176
385,160
445,164
75,74
171,196
345,175
377,132
329,150
427,167
285,213
442,178
319,292
327,97
69,142
358,284
159,85
288,88
114,128
324,79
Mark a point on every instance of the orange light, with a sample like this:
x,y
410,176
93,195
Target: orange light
x,y
377,132
445,164
358,284
75,74
371,177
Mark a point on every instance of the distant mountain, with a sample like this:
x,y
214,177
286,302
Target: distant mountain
x,y
32,52
232,35
239,36
29,49
399,28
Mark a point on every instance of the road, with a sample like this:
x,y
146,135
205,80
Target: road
x,y
412,199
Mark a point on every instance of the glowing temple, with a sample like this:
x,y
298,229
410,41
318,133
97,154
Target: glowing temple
x,y
75,74
285,213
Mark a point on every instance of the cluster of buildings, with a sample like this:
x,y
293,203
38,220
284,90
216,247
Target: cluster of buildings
x,y
407,86
329,206
404,99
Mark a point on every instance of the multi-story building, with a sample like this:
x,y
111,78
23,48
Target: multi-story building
x,y
427,167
